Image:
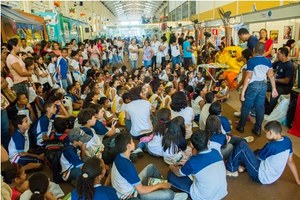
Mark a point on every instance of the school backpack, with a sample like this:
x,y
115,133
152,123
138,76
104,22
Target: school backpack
x,y
53,150
33,134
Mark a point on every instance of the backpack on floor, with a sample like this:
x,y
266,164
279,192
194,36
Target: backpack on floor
x,y
53,150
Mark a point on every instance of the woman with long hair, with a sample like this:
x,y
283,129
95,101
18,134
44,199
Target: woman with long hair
x,y
263,34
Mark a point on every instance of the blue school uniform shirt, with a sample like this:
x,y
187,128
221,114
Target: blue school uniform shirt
x,y
100,129
70,159
124,177
101,192
216,141
274,157
44,126
208,170
225,125
18,143
259,65
63,66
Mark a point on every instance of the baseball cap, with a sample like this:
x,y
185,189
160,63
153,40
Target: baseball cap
x,y
77,134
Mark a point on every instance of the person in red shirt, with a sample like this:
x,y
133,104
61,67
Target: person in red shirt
x,y
263,33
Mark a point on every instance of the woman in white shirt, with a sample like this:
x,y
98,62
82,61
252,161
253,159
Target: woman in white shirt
x,y
155,47
133,54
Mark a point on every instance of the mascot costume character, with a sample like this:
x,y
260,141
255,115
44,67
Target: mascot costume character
x,y
230,56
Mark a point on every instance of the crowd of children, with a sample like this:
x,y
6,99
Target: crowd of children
x,y
65,114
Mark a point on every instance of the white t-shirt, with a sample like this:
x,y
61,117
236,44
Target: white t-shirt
x,y
139,113
133,56
155,145
188,115
27,49
196,106
204,115
154,46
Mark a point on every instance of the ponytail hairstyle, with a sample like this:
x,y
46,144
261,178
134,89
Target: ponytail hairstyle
x,y
213,125
38,185
91,169
163,118
174,135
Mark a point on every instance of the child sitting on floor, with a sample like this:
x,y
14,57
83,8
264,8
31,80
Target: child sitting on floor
x,y
19,146
176,150
268,165
208,170
154,146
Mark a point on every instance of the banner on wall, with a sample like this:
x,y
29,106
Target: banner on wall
x,y
274,36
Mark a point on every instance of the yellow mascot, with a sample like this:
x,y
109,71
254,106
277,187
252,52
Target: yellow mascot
x,y
229,56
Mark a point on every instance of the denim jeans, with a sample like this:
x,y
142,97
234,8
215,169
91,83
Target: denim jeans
x,y
176,60
95,61
182,183
162,194
153,62
147,63
64,83
133,64
5,136
243,155
254,96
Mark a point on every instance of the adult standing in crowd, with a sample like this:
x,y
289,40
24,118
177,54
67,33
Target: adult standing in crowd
x,y
263,34
24,47
133,54
56,49
175,51
187,52
244,35
17,67
255,88
148,54
163,51
155,47
284,77
94,54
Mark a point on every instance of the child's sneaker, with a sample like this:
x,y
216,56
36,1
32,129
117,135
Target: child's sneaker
x,y
232,174
241,169
133,157
139,152
249,139
180,196
237,114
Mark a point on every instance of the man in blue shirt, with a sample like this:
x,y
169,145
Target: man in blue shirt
x,y
255,88
207,168
187,52
62,68
245,36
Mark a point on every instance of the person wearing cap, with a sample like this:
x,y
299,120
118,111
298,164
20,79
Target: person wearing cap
x,y
70,162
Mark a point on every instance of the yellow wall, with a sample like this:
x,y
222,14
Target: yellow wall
x,y
240,7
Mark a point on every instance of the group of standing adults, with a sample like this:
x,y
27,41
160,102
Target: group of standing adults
x,y
256,84
156,53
